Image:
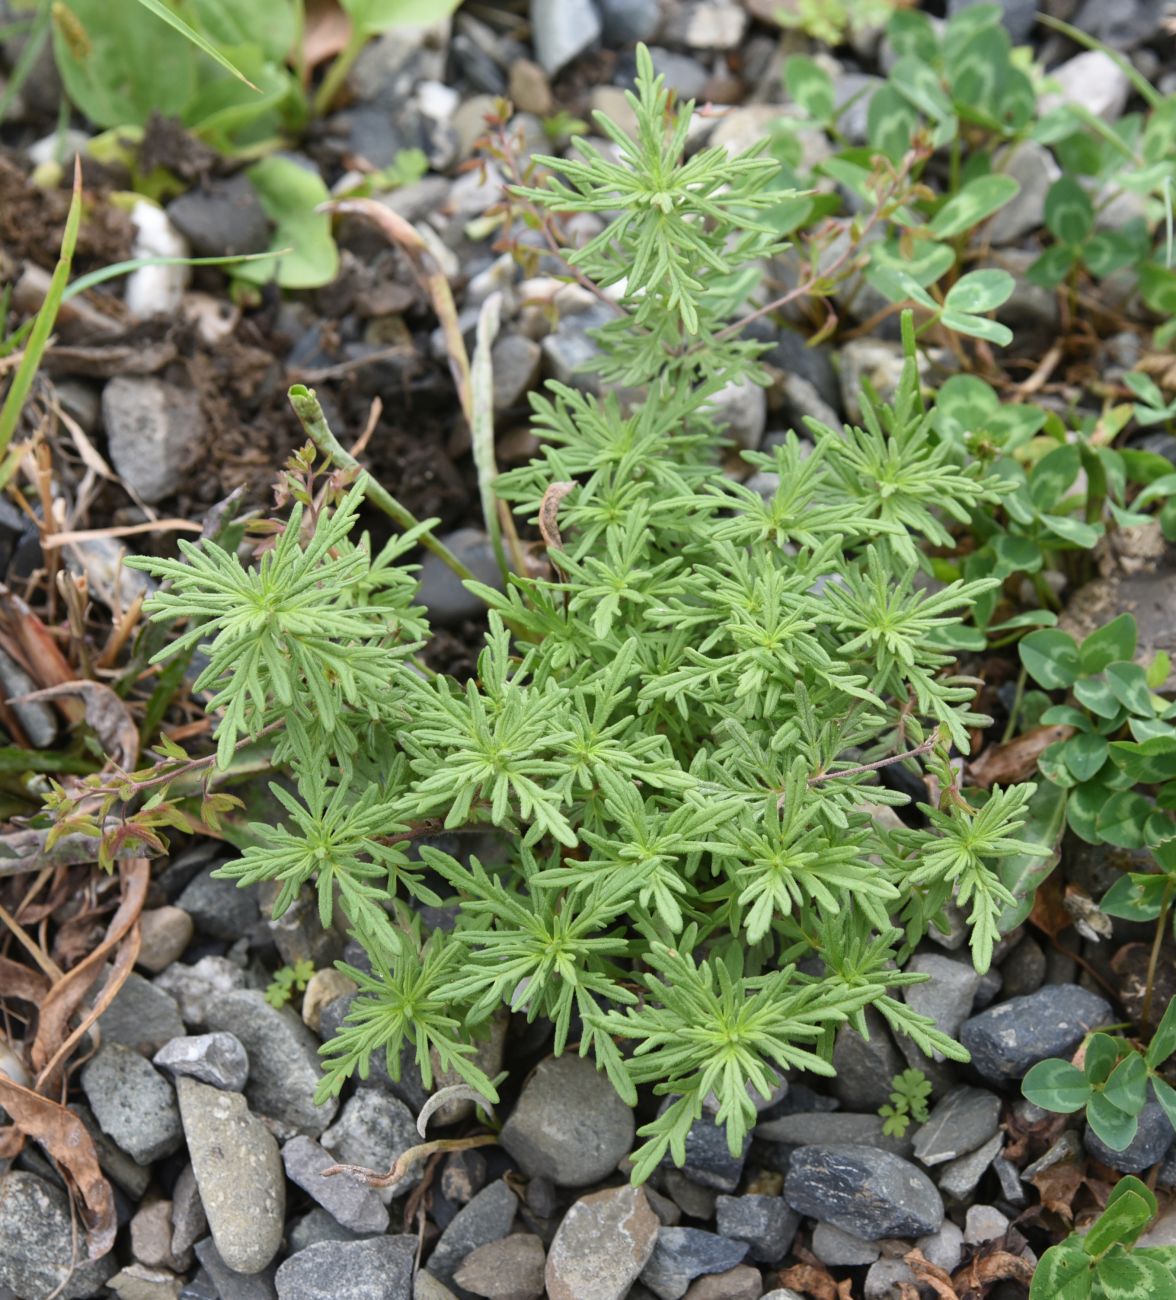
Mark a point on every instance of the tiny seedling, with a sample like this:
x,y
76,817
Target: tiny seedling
x,y
911,1091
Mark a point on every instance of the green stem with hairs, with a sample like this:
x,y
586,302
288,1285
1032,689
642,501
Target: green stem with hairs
x,y
309,411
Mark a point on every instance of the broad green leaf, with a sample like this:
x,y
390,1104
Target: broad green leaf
x,y
1163,1042
1069,213
1132,1276
1052,267
1122,819
810,86
1166,1096
1074,531
1053,476
227,23
1126,1215
119,65
1057,1086
1128,1186
1128,682
375,16
977,201
1021,873
1084,755
980,291
920,84
290,194
1135,897
978,327
1110,1124
1126,1089
1050,658
1097,696
1064,1272
1085,803
1100,1058
926,264
891,123
978,71
1149,760
1114,641
1067,716
911,32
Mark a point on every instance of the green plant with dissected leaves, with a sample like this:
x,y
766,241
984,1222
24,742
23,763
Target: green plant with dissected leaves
x,y
674,732
910,1093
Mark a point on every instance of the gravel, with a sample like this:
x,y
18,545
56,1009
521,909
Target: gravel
x,y
569,1125
222,218
767,1223
862,1190
164,934
709,1161
37,1234
842,1249
154,430
218,1059
959,1179
142,1016
601,1246
682,1254
509,1269
947,996
351,1203
1010,1038
219,908
961,1122
133,1102
488,1217
833,1128
1151,1143
238,1172
561,30
379,1268
374,1130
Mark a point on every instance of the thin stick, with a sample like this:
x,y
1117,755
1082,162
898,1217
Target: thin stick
x,y
310,414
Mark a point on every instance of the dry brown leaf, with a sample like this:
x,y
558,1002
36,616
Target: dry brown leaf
x,y
17,981
815,1281
549,513
938,1279
326,30
36,649
64,1137
1049,912
106,714
1058,1185
973,1280
1015,760
65,997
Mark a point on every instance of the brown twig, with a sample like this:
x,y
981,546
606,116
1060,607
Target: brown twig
x,y
407,1159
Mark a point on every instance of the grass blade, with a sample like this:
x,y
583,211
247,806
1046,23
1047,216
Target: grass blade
x,y
160,10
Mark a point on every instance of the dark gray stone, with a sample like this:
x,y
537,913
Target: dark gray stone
x,y
378,1268
441,591
189,1222
1151,1143
218,1059
834,1128
222,218
709,1161
37,1238
862,1190
629,21
791,354
1033,167
959,1179
963,1121
568,1125
133,1102
374,1130
488,1217
767,1223
515,362
682,1254
154,431
283,1060
947,996
219,908
1122,25
353,1204
886,1278
865,1066
1007,1040
1023,969
141,1016
684,75
195,987
128,1174
317,1225
842,1249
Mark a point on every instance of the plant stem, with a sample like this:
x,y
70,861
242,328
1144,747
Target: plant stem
x,y
332,83
310,415
1011,725
1154,960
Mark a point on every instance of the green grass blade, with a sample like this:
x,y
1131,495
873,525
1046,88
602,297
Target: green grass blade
x,y
43,325
94,278
160,10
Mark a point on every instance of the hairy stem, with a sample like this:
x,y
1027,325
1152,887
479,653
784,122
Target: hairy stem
x,y
1153,960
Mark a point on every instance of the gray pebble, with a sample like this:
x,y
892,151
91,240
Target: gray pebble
x,y
486,1218
378,1268
133,1102
218,1059
154,431
352,1203
1007,1040
37,1233
864,1191
962,1121
767,1223
682,1254
601,1246
142,1016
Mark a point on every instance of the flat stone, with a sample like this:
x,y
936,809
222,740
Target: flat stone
x,y
38,1238
740,410
441,592
317,1225
374,1130
629,21
691,1198
705,25
165,932
151,1237
959,1179
219,908
842,1249
488,1217
562,30
352,1203
239,1174
862,1190
228,1284
141,1016
218,1059
601,1246
426,1287
1034,168
323,987
709,1162
947,996
945,1248
1023,970
221,218
189,1222
195,987
568,1125
509,1269
142,1282
984,1223
378,1268
682,1254
124,1172
962,1121
767,1223
154,431
1148,1147
864,1066
1092,80
1007,1040
889,1279
515,361
739,1283
833,1128
284,1068
133,1102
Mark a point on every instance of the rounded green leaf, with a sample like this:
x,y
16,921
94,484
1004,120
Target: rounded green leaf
x,y
977,201
1114,641
1100,1058
1110,1124
1052,267
1057,1086
1133,1276
1084,755
810,86
1069,213
1128,684
1122,819
1163,1042
980,291
375,16
1065,1272
1053,476
1126,1089
977,327
1050,658
1134,898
